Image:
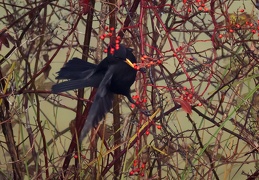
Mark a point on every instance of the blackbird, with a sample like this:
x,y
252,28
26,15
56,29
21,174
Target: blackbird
x,y
113,75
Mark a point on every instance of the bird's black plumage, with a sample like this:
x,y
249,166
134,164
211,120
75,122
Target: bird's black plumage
x,y
111,76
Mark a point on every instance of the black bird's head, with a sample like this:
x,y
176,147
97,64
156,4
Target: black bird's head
x,y
118,53
122,53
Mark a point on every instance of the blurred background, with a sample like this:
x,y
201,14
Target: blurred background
x,y
200,86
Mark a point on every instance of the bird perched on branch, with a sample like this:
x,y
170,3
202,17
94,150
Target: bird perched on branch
x,y
113,75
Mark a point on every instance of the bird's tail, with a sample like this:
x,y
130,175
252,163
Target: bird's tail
x,y
67,86
75,69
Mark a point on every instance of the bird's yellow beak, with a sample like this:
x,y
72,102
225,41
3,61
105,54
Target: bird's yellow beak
x,y
129,63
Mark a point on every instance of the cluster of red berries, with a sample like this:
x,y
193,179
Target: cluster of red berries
x,y
138,100
137,170
242,20
108,35
150,61
82,156
201,4
248,24
186,95
147,62
158,126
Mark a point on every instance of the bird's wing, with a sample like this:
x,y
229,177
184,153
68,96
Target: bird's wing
x,y
76,69
101,105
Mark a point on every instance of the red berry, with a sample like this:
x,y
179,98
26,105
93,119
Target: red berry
x,y
112,50
131,173
136,67
159,61
253,31
143,165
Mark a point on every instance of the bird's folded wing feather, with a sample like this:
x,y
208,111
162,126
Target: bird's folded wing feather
x,y
101,105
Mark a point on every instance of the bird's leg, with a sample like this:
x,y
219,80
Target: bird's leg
x,y
144,111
